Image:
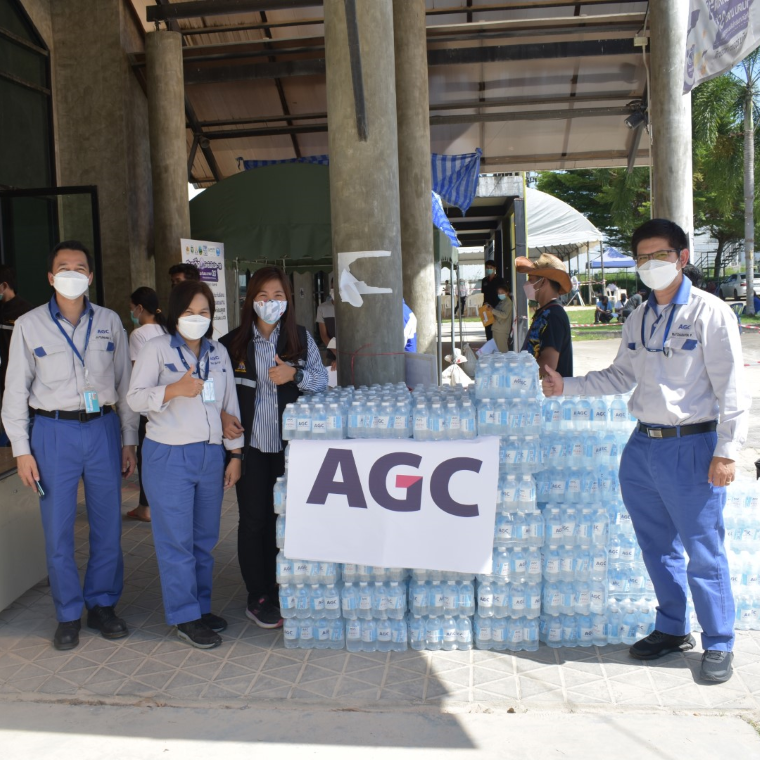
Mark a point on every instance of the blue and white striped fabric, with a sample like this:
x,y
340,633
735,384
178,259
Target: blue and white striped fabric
x,y
441,221
266,424
321,160
455,178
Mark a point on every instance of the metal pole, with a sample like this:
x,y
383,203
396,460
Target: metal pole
x,y
439,321
461,309
451,298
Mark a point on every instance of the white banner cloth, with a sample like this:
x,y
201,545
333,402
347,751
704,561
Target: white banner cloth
x,y
393,503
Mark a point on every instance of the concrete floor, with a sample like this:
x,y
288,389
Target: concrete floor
x,y
103,697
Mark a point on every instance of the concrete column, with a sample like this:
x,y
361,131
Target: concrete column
x,y
364,192
670,114
168,151
415,179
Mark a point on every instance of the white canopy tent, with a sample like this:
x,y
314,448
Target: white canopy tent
x,y
553,227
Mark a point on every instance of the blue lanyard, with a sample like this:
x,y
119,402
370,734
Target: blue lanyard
x,y
663,350
70,341
198,368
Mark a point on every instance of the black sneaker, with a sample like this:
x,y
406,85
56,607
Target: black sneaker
x,y
104,619
658,644
717,666
197,633
67,635
264,613
214,622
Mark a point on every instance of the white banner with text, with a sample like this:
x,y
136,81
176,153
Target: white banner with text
x,y
209,258
394,503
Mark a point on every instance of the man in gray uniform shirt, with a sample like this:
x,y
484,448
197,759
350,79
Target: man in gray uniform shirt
x,y
70,369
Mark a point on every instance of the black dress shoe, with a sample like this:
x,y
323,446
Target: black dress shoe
x,y
104,619
717,666
67,635
658,644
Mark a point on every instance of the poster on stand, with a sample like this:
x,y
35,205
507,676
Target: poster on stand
x,y
209,258
393,503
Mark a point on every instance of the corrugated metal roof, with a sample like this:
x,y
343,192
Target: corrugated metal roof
x,y
560,105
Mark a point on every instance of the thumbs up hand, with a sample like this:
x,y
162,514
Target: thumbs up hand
x,y
187,386
552,382
282,372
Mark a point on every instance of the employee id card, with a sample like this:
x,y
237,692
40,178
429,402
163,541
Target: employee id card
x,y
91,403
209,395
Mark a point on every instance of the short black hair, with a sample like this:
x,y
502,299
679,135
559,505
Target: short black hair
x,y
554,284
491,262
8,276
70,245
190,271
179,299
662,228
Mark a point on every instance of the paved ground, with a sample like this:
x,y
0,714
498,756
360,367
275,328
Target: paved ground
x,y
252,689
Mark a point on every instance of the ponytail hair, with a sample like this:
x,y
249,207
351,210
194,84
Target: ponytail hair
x,y
148,299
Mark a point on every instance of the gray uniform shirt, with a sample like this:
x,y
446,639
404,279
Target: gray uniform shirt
x,y
183,420
48,375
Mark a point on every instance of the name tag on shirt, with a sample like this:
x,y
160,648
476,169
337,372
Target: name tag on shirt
x,y
209,395
91,403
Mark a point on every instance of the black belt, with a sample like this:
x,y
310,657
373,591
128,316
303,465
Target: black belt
x,y
679,430
80,416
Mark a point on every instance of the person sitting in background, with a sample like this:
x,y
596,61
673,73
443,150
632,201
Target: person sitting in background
x,y
619,306
603,313
502,316
631,305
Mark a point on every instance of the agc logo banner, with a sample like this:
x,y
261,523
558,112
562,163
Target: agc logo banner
x,y
393,503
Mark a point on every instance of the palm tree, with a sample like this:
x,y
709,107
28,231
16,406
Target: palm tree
x,y
723,120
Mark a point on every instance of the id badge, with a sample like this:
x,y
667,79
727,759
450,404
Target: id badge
x,y
209,396
91,403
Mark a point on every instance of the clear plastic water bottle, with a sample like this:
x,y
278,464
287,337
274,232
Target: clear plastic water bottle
x,y
356,427
449,634
290,633
289,422
283,569
350,602
279,495
306,634
485,600
369,635
287,601
316,601
279,532
319,422
418,599
380,601
335,428
464,634
618,415
599,630
322,633
434,634
354,635
303,421
384,635
364,610
302,602
396,601
337,635
466,599
500,599
533,600
420,416
529,635
417,633
435,599
483,632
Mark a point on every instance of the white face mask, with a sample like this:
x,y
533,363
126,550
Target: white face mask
x,y
193,327
531,291
71,285
270,311
658,274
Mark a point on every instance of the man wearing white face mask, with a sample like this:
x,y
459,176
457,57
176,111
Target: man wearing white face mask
x,y
681,352
71,369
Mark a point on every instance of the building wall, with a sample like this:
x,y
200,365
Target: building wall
x,y
101,131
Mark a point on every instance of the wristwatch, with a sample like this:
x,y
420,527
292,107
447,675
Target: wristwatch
x,y
236,456
298,377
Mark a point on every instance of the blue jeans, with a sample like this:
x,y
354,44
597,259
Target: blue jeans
x,y
185,486
673,508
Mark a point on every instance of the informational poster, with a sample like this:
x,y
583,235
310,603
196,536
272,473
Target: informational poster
x,y
394,503
209,258
720,33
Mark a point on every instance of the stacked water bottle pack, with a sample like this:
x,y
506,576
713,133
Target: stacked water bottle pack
x,y
441,606
742,521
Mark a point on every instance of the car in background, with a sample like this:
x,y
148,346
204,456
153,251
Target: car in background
x,y
735,286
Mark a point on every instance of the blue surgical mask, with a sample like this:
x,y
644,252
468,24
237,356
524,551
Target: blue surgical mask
x,y
490,271
502,296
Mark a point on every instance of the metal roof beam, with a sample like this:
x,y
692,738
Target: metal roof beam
x,y
196,8
475,212
197,74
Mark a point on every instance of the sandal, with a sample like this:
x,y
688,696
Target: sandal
x,y
133,515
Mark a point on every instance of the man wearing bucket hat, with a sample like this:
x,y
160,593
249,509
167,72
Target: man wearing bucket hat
x,y
548,338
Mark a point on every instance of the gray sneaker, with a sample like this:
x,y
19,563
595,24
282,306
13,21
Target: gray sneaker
x,y
717,666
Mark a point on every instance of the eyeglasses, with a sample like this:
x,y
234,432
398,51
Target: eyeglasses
x,y
657,256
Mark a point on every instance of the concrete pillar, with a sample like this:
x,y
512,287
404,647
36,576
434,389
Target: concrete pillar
x,y
415,179
168,151
364,192
670,114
